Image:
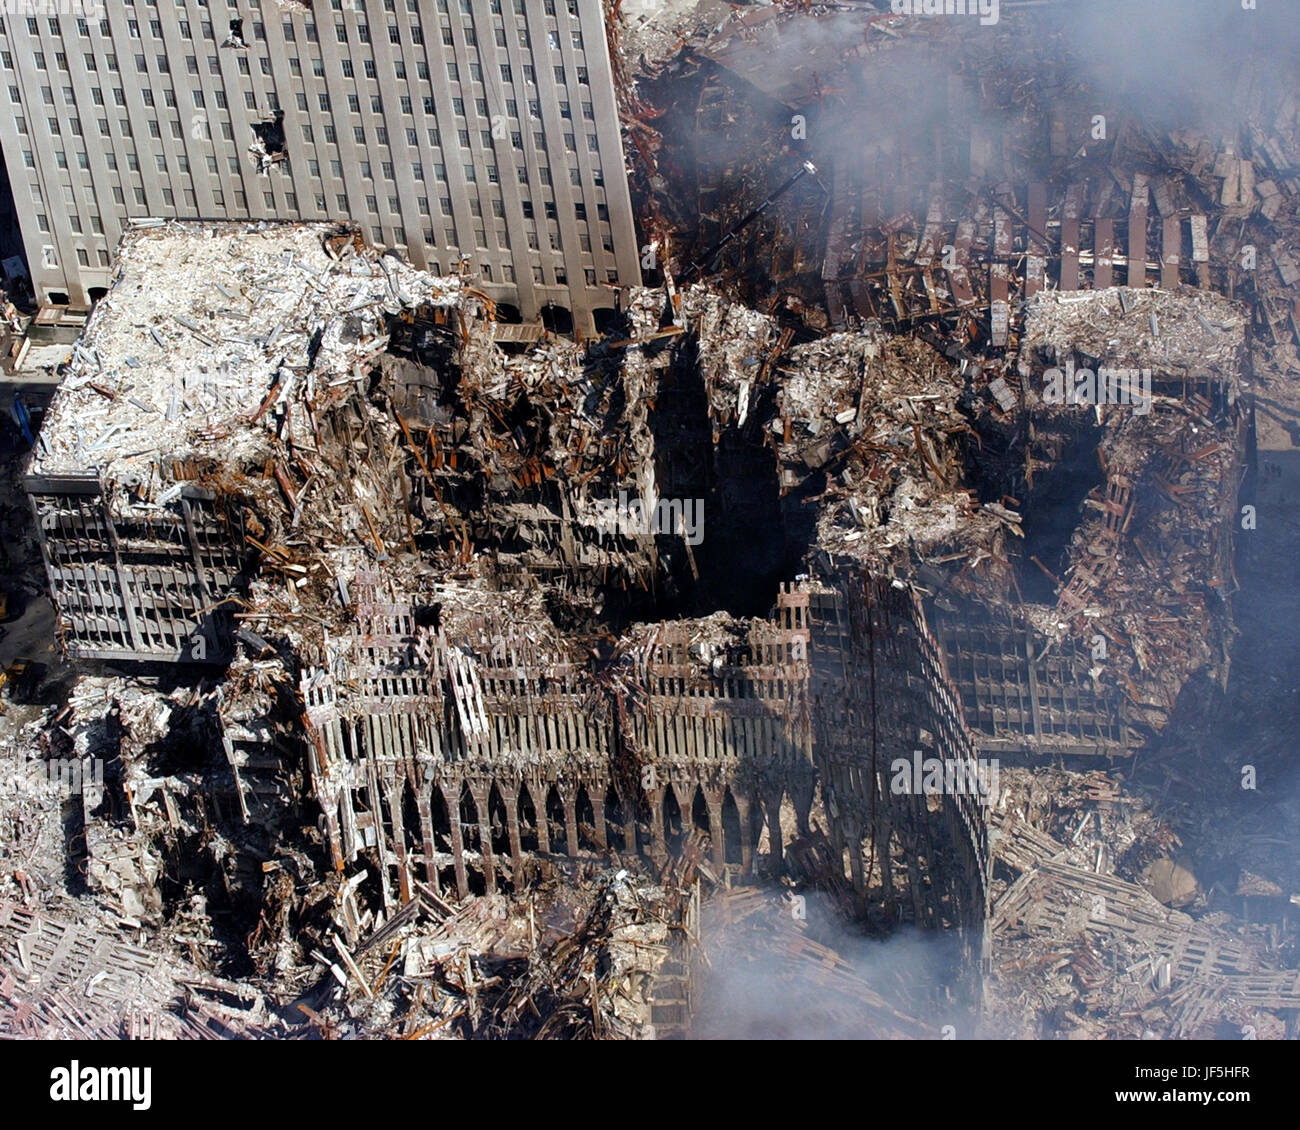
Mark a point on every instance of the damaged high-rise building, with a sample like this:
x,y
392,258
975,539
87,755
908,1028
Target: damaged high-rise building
x,y
485,134
843,639
350,456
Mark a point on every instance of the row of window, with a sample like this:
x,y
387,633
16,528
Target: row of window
x,y
408,106
74,127
389,5
162,64
323,102
340,31
556,275
372,206
314,167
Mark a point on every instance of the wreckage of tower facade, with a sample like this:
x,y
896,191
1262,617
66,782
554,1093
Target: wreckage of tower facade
x,y
903,478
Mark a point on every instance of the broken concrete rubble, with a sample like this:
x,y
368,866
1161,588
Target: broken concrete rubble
x,y
471,759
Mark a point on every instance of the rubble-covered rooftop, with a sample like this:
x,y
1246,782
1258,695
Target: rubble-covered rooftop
x,y
480,752
1186,335
214,336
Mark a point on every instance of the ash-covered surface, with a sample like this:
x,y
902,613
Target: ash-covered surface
x,y
492,754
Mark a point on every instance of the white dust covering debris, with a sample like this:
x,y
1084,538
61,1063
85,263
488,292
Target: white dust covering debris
x,y
1184,334
654,31
202,324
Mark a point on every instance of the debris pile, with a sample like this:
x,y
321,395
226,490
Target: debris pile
x,y
508,681
1085,953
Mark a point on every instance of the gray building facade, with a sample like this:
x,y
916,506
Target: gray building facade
x,y
485,129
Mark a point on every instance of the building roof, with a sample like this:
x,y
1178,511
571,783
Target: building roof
x,y
215,336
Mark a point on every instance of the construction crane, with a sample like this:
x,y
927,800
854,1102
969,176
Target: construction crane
x,y
713,252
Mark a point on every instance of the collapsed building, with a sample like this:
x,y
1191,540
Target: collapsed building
x,y
429,557
467,628
1016,236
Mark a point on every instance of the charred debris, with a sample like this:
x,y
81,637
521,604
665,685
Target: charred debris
x,y
428,686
